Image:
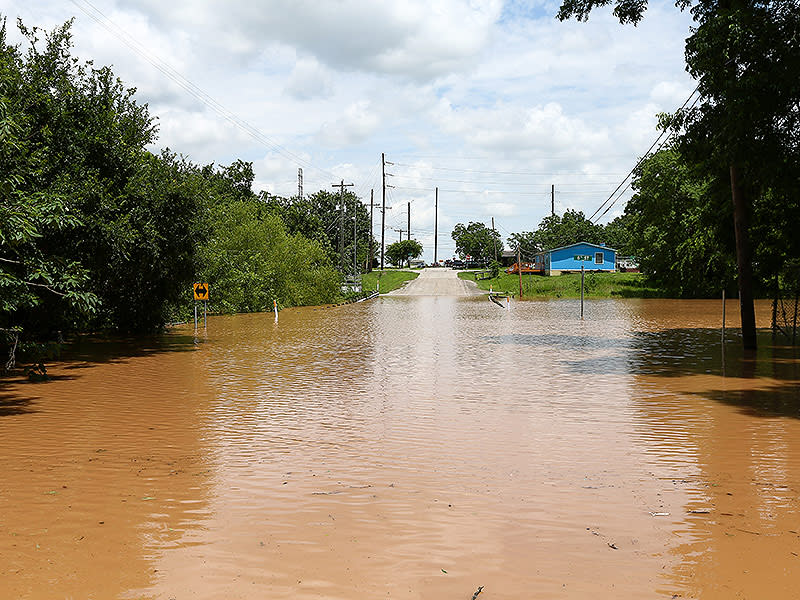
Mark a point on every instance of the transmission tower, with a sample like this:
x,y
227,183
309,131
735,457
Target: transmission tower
x,y
300,183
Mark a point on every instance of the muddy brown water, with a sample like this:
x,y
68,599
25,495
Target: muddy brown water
x,y
410,447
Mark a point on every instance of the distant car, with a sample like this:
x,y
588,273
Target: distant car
x,y
457,264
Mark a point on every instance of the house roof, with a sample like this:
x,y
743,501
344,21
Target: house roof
x,y
578,244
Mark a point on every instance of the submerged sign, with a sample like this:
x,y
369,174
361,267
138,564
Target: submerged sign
x,y
200,291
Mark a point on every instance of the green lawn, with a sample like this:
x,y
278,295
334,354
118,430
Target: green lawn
x,y
390,279
596,285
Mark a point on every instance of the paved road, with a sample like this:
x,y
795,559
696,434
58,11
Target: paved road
x,y
438,282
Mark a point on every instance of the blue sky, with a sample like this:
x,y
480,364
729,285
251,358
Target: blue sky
x,y
491,101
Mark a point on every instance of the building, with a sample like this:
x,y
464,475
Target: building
x,y
569,259
627,264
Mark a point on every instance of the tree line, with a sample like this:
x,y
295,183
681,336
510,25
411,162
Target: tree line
x,y
738,144
97,232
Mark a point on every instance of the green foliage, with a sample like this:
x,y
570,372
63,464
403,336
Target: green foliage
x,y
476,240
96,232
319,218
680,228
556,231
251,261
745,56
400,252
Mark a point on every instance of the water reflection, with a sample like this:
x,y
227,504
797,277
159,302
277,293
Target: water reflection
x,y
419,446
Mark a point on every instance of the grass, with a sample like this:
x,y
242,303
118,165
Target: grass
x,y
596,285
391,279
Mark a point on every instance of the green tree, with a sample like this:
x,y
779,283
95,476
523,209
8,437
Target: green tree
x,y
675,228
617,235
477,241
556,231
404,251
251,260
745,56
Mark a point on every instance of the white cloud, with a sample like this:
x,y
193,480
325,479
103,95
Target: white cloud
x,y
491,101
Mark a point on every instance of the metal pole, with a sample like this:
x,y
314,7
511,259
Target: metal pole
x,y
723,316
371,237
494,240
436,230
195,316
355,238
205,313
722,344
582,272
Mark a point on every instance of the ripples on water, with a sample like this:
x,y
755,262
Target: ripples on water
x,y
414,446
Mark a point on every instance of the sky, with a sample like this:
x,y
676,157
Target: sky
x,y
491,101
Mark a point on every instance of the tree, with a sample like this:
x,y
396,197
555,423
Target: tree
x,y
476,240
555,231
745,56
617,235
675,229
251,260
400,252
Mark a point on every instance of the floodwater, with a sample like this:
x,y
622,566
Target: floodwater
x,y
410,447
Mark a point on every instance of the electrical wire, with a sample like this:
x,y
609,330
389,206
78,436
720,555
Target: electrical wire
x,y
188,86
643,158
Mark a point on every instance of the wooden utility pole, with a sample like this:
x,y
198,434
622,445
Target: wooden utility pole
x,y
409,221
494,240
519,267
745,269
356,273
341,187
383,210
553,199
372,206
436,228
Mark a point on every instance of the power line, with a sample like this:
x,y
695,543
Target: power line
x,y
669,137
190,87
536,173
642,159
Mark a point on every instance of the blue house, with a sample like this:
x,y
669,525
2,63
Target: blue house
x,y
593,257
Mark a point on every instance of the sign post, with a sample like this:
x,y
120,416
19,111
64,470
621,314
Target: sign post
x,y
201,294
582,272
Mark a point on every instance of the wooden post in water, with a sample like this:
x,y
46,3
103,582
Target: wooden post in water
x,y
582,292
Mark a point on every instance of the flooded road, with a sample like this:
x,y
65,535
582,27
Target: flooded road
x,y
410,447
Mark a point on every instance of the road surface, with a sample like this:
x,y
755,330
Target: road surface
x,y
438,282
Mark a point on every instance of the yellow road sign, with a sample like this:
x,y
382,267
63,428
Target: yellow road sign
x,y
200,291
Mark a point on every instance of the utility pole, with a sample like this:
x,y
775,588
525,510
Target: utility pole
x,y
341,187
494,239
372,206
400,231
553,199
383,213
436,228
356,274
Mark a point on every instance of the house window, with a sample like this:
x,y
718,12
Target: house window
x,y
598,258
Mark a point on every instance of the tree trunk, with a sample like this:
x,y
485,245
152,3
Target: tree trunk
x,y
743,262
